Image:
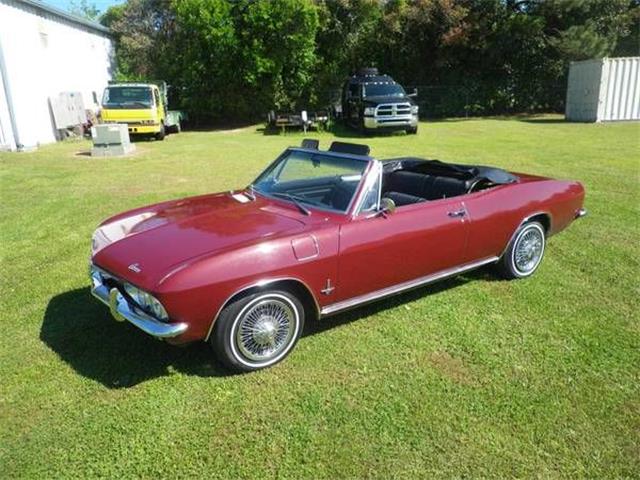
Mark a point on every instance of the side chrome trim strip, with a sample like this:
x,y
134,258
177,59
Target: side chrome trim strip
x,y
418,282
261,283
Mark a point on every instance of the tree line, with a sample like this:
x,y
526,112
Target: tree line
x,y
235,60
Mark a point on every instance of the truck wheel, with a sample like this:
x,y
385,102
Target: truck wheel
x,y
160,135
257,330
412,130
524,253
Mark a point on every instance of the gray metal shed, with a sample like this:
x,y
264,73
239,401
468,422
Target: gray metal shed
x,y
604,89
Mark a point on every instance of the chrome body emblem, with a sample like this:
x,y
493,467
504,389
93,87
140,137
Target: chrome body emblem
x,y
135,267
329,288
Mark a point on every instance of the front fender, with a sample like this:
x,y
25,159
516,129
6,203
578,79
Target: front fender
x,y
197,292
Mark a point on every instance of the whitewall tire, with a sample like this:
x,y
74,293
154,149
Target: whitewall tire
x,y
525,252
258,330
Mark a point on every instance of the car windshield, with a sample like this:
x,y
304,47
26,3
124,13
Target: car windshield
x,y
311,179
127,97
383,90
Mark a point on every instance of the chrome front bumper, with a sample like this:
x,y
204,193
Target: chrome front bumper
x,y
399,121
122,310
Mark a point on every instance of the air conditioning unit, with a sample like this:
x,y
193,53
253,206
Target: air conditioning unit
x,y
111,140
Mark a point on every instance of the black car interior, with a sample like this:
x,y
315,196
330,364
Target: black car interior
x,y
413,180
405,187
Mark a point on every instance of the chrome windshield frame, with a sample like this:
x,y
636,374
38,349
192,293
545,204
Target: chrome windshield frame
x,y
355,200
372,175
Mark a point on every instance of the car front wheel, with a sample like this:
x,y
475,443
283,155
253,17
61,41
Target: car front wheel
x,y
524,253
257,330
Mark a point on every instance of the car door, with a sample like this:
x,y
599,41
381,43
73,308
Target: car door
x,y
159,104
381,251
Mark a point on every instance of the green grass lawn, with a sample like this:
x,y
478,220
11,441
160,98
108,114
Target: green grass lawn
x,y
471,377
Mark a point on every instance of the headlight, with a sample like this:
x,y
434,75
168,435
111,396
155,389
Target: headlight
x,y
414,109
370,110
98,241
147,302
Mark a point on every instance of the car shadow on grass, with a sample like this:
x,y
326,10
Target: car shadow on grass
x,y
118,355
82,332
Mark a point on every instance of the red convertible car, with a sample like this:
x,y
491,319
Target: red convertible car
x,y
318,232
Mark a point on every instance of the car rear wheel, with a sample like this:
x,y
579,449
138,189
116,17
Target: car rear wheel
x,y
257,330
524,253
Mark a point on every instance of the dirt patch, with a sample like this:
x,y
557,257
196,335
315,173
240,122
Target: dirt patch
x,y
451,367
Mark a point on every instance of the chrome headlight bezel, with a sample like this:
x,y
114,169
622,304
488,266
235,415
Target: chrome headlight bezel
x,y
414,109
99,241
369,111
147,302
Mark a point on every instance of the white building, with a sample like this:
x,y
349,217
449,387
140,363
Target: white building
x,y
604,89
45,51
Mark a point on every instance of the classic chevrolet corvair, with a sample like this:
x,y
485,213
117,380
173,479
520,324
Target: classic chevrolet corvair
x,y
318,232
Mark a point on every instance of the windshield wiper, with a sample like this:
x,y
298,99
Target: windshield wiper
x,y
295,200
137,102
250,192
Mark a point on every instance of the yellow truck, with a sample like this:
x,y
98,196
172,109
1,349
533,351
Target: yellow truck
x,y
142,106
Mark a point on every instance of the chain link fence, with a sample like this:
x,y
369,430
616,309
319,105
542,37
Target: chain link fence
x,y
439,101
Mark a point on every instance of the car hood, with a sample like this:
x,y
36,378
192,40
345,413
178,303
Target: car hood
x,y
378,100
145,245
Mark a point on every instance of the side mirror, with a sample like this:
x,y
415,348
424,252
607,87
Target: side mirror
x,y
387,206
414,93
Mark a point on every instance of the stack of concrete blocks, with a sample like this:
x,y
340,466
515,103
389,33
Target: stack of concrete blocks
x,y
111,140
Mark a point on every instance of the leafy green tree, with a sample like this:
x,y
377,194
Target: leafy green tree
x,y
629,42
235,60
276,44
582,29
346,40
83,8
144,31
206,68
238,60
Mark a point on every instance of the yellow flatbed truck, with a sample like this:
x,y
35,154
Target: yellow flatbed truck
x,y
142,106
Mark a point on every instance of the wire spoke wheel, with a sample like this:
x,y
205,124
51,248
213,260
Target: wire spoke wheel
x,y
528,250
265,329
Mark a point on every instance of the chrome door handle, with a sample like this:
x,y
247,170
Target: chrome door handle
x,y
458,213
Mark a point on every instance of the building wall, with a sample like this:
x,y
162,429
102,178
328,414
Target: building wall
x,y
43,56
